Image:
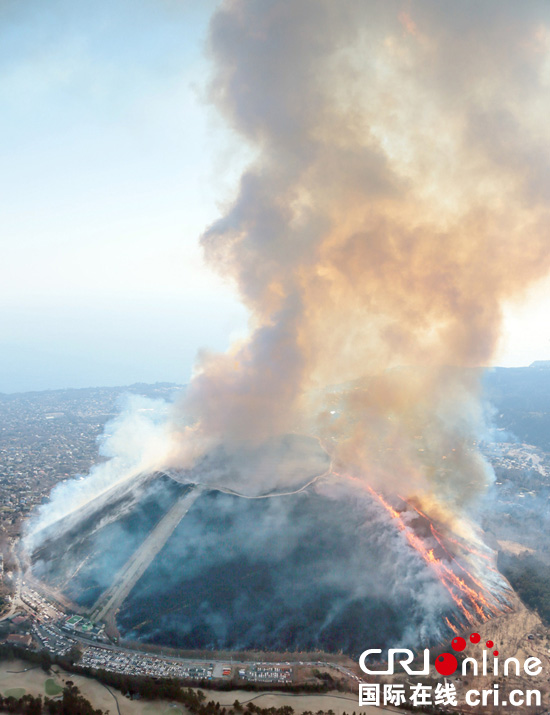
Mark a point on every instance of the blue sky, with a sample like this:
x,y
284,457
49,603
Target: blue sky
x,y
112,166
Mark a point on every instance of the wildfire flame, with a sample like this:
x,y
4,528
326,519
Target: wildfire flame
x,y
471,597
454,629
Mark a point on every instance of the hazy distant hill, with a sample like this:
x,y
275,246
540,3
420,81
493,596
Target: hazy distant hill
x,y
521,396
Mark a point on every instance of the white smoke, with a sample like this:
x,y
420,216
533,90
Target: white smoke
x,y
136,442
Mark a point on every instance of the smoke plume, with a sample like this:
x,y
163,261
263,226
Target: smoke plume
x,y
398,197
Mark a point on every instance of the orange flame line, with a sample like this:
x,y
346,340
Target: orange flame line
x,y
453,628
452,583
447,577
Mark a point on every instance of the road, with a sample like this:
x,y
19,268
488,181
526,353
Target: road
x,y
111,600
271,495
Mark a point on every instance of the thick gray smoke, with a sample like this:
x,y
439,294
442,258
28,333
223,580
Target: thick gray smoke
x,y
398,197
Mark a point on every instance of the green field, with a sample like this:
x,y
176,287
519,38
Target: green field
x,y
15,692
74,620
52,688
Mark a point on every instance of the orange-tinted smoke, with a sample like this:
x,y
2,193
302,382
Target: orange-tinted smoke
x,y
399,196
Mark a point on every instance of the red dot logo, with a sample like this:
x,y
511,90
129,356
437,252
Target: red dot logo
x,y
458,643
446,664
495,652
489,644
475,638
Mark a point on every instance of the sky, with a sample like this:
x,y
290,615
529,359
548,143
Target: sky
x,y
113,164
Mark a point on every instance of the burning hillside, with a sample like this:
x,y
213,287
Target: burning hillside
x,y
395,202
467,572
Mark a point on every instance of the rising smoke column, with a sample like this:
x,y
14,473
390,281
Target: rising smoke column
x,y
397,199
